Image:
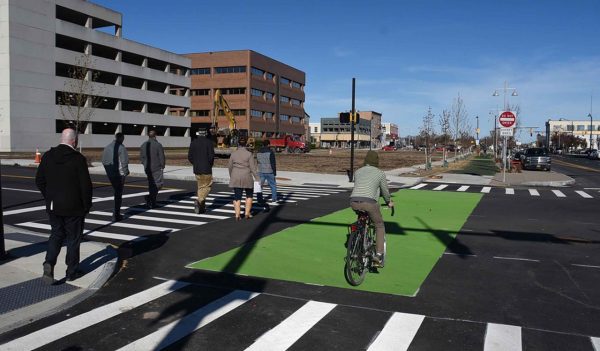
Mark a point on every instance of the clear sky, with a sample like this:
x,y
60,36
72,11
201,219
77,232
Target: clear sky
x,y
405,55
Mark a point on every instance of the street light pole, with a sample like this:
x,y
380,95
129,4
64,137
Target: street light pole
x,y
477,132
3,254
504,156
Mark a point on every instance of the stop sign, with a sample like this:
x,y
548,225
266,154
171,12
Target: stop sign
x,y
507,119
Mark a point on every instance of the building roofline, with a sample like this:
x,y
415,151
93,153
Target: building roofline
x,y
242,50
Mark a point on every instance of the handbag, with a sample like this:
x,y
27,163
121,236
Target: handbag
x,y
257,187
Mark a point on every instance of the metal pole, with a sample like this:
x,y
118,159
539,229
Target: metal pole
x,y
504,161
3,254
495,137
477,131
351,173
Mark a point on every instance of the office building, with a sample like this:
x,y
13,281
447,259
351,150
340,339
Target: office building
x,y
367,133
582,129
265,95
130,87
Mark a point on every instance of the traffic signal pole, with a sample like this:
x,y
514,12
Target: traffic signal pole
x,y
3,254
352,122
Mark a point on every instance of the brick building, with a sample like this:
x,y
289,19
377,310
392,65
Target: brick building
x,y
265,95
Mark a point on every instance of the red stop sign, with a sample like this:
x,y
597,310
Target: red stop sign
x,y
507,119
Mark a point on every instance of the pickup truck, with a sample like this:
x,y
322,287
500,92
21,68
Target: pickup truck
x,y
288,143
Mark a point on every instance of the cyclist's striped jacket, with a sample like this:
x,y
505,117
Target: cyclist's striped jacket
x,y
370,183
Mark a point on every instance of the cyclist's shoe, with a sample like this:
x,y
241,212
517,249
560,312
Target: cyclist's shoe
x,y
378,261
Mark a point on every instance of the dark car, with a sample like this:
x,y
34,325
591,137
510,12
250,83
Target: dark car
x,y
537,158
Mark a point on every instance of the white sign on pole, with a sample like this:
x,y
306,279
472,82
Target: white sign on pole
x,y
506,132
477,142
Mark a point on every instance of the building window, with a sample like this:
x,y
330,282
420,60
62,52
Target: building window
x,y
296,102
269,115
230,69
316,130
284,99
580,127
257,72
285,81
268,95
198,71
256,92
199,113
233,91
295,119
296,85
570,128
284,117
200,92
256,113
269,75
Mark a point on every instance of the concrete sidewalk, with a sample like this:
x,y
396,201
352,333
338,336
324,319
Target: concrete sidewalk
x,y
533,178
25,298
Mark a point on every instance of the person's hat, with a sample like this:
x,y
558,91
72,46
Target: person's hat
x,y
372,159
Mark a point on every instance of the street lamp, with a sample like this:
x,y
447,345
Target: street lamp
x,y
514,93
591,130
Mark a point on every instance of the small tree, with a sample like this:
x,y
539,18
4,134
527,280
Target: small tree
x,y
428,133
458,120
80,95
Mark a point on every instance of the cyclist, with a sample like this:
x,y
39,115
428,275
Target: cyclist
x,y
369,184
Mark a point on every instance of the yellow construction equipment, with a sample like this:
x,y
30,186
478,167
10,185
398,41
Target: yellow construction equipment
x,y
226,137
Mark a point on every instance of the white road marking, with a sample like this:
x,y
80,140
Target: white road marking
x,y
534,192
584,265
486,189
463,188
419,186
225,197
398,332
458,254
60,330
24,210
440,187
295,193
93,233
502,337
584,194
559,193
23,190
184,214
596,343
154,219
510,191
292,328
316,190
285,197
516,259
131,225
179,329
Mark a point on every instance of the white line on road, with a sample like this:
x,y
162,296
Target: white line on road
x,y
398,332
559,193
179,329
440,187
584,194
486,189
139,209
292,328
459,254
502,337
24,190
93,233
533,192
131,225
285,197
60,330
154,219
585,265
596,343
191,208
516,259
463,188
510,191
419,186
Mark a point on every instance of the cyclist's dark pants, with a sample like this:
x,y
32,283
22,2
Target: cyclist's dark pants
x,y
372,208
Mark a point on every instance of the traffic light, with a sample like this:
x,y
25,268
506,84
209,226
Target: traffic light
x,y
345,117
356,117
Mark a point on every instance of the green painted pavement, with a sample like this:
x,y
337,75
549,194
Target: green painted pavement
x,y
424,224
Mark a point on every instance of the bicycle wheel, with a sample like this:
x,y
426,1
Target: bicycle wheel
x,y
355,268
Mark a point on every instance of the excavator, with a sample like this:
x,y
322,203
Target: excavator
x,y
226,137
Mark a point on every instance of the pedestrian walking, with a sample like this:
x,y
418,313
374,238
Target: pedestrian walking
x,y
202,156
116,163
64,181
242,174
152,156
267,171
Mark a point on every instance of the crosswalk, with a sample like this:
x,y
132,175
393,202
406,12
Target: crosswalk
x,y
181,315
556,193
175,213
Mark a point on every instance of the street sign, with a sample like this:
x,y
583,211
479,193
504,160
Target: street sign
x,y
507,119
477,142
507,132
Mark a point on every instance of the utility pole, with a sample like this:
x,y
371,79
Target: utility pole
x,y
352,122
3,254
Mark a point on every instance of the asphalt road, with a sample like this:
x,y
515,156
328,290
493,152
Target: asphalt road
x,y
523,268
586,172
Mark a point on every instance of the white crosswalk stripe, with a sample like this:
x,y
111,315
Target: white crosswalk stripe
x,y
505,191
419,186
463,188
584,194
559,193
510,191
95,233
501,337
486,189
131,225
440,187
534,192
153,219
398,333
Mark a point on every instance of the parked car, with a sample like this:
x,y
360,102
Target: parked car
x,y
593,155
537,158
388,148
518,156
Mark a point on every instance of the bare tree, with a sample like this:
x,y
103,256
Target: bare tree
x,y
80,95
458,120
428,133
444,122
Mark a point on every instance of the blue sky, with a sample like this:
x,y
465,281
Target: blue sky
x,y
405,55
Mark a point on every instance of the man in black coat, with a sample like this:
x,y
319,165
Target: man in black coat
x,y
65,183
152,156
202,155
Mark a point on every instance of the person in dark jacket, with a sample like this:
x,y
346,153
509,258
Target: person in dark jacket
x,y
267,171
65,184
152,156
116,163
202,155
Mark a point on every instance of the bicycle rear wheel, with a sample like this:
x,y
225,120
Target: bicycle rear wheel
x,y
355,268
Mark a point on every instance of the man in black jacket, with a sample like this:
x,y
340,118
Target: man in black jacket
x,y
65,183
202,156
152,156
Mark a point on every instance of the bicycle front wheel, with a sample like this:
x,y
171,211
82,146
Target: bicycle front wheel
x,y
355,268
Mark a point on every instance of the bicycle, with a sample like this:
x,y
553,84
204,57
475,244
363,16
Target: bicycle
x,y
361,248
